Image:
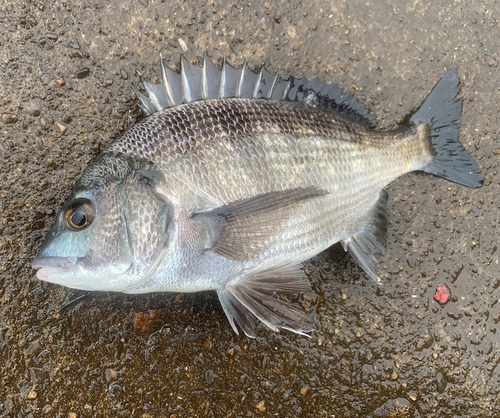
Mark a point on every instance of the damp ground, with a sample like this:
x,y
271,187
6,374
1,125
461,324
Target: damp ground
x,y
66,70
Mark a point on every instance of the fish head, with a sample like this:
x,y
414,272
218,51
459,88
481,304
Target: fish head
x,y
108,236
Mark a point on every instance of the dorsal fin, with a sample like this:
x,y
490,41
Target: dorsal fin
x,y
208,82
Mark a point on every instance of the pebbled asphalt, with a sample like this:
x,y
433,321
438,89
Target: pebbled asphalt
x,y
391,350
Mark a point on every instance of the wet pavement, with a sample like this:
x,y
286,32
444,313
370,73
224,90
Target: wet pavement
x,y
378,351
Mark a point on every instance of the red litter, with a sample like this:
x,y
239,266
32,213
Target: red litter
x,y
443,294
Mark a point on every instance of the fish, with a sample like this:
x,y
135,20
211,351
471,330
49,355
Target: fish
x,y
234,178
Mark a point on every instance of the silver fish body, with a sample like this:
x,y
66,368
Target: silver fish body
x,y
232,193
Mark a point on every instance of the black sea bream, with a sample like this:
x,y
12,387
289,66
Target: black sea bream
x,y
234,179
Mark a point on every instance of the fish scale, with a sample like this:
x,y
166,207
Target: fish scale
x,y
171,133
234,179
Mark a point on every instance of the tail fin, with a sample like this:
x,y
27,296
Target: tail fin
x,y
441,113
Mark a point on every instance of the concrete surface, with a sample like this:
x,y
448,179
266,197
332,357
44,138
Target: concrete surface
x,y
379,351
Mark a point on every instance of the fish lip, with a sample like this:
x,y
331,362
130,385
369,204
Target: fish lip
x,y
49,267
63,263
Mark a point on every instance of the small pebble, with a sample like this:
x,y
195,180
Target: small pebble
x,y
46,409
115,389
3,153
61,81
261,406
182,44
75,53
441,382
210,376
51,36
231,351
74,45
82,72
144,321
45,78
207,345
267,385
442,294
344,296
34,107
62,128
32,394
9,118
265,362
304,391
71,173
123,74
72,415
394,375
111,375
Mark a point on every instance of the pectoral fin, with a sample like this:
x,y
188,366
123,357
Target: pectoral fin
x,y
365,244
241,230
252,298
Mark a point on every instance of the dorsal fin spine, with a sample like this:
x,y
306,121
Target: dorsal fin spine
x,y
204,77
285,92
208,82
223,76
276,77
142,101
240,81
166,73
257,84
186,94
152,96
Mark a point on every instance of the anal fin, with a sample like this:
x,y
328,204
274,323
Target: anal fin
x,y
252,298
365,244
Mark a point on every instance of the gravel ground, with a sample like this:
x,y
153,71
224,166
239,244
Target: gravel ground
x,y
66,69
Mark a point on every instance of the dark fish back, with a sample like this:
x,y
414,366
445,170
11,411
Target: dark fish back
x,y
171,133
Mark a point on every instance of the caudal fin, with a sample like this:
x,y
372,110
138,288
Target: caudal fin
x,y
441,113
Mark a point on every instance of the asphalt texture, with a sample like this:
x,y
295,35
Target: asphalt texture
x,y
386,350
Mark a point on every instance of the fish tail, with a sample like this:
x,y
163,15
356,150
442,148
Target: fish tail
x,y
440,112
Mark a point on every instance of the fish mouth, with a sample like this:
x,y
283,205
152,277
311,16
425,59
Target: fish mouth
x,y
50,266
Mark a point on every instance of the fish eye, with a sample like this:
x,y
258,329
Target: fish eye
x,y
79,215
